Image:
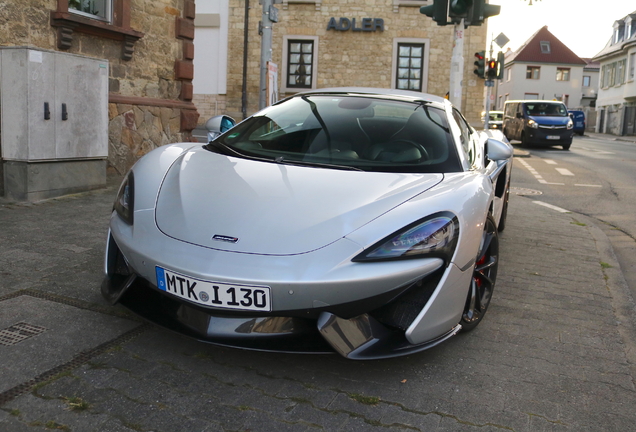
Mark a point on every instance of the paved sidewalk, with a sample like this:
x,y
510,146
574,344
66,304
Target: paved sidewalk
x,y
556,351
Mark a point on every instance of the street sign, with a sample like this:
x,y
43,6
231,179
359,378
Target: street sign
x,y
501,40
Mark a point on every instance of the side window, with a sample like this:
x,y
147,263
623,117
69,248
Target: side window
x,y
464,136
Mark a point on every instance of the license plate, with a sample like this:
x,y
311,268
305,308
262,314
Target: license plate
x,y
555,137
208,293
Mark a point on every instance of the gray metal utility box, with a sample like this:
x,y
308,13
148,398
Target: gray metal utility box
x,y
53,123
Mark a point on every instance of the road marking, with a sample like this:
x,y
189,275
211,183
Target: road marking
x,y
587,185
550,206
536,175
564,171
550,162
594,150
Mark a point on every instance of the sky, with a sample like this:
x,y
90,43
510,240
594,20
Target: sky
x,y
584,26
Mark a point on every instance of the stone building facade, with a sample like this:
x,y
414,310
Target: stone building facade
x,y
354,44
149,49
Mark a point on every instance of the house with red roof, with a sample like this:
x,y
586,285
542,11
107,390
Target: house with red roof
x,y
616,104
543,68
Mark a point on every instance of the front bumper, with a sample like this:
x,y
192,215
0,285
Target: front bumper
x,y
412,312
549,137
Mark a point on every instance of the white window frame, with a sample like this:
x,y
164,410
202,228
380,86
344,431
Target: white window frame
x,y
563,74
108,15
545,47
425,60
285,67
632,66
589,80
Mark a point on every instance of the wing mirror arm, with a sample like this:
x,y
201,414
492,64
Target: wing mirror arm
x,y
219,125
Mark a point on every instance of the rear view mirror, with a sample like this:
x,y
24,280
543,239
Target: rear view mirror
x,y
498,150
218,125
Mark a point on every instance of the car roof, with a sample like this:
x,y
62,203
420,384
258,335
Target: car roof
x,y
407,95
535,101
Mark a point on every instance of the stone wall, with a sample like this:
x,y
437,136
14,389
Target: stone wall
x,y
353,58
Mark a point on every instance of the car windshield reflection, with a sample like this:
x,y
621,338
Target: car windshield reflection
x,y
348,132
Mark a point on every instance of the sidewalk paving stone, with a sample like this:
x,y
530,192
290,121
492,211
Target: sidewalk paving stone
x,y
556,351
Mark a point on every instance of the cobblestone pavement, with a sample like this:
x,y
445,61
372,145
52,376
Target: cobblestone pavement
x,y
555,352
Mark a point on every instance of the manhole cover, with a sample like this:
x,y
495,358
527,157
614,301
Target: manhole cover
x,y
19,332
524,191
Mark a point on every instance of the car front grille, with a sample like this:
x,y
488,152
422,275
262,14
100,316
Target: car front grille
x,y
552,127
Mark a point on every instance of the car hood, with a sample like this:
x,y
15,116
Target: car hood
x,y
551,121
247,206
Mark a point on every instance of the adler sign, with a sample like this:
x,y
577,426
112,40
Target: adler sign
x,y
367,24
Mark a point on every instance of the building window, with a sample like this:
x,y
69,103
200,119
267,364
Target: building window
x,y
508,74
96,9
586,81
409,68
620,72
563,74
533,72
300,62
545,47
632,66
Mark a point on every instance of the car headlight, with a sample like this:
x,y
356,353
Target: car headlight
x,y
533,124
434,236
570,124
125,202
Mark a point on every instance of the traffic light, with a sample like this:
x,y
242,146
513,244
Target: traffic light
x,y
480,64
438,11
458,9
480,11
491,72
501,60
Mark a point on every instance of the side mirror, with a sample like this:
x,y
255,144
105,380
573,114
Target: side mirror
x,y
498,150
218,125
518,115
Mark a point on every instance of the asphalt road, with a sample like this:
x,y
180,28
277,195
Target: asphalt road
x,y
556,351
597,178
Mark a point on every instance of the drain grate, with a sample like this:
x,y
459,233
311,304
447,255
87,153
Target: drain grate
x,y
19,332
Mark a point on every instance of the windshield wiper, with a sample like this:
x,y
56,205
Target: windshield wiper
x,y
224,149
283,161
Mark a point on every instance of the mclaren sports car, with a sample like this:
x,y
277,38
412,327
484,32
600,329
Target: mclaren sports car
x,y
351,220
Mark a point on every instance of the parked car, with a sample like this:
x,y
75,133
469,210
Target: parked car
x,y
360,221
578,117
495,119
538,122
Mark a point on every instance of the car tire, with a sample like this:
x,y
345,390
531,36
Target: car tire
x,y
566,146
482,282
524,141
504,212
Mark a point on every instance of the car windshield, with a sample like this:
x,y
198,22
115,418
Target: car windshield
x,y
346,132
496,116
546,109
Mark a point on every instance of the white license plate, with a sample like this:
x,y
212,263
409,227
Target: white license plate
x,y
221,295
556,137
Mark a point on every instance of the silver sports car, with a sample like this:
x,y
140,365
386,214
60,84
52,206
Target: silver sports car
x,y
355,220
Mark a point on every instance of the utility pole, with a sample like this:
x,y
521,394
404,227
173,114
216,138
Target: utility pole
x,y
270,16
457,66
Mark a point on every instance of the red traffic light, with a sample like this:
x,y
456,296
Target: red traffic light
x,y
479,55
492,64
